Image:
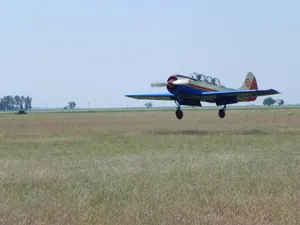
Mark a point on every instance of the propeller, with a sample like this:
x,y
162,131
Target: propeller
x,y
159,84
164,84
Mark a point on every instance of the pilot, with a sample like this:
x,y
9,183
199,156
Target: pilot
x,y
192,76
199,76
214,81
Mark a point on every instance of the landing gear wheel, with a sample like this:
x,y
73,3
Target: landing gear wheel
x,y
179,114
221,113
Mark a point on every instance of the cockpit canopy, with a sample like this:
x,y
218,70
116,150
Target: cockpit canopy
x,y
205,78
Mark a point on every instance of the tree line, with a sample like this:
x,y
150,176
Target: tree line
x,y
11,103
271,101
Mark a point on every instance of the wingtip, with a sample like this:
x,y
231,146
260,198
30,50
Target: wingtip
x,y
275,91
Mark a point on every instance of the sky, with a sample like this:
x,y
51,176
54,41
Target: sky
x,y
94,52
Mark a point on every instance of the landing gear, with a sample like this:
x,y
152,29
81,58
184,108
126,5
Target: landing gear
x,y
178,112
222,112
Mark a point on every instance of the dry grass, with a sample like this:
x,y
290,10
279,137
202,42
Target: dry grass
x,y
150,168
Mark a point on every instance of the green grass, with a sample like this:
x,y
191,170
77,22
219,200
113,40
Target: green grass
x,y
156,109
150,168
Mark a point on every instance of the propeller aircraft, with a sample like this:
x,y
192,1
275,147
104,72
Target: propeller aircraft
x,y
197,88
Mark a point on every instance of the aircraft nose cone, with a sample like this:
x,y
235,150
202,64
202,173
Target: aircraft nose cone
x,y
170,83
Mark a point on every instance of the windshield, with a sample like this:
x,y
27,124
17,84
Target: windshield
x,y
205,78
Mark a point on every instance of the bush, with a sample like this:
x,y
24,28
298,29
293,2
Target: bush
x,y
21,112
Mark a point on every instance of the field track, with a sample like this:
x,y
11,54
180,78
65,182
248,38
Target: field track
x,y
150,168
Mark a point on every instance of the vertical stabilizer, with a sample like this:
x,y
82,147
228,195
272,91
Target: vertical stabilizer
x,y
250,82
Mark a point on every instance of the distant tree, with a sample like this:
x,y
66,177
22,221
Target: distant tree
x,y
1,105
30,101
27,102
17,101
148,104
280,102
22,101
269,101
71,104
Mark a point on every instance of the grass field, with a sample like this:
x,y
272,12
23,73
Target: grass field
x,y
150,168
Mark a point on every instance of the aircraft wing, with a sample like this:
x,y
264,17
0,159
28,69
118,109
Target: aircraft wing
x,y
239,94
166,96
209,96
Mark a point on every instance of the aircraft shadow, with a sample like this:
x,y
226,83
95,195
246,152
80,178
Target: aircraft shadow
x,y
210,132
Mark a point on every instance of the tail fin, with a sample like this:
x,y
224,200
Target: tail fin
x,y
249,82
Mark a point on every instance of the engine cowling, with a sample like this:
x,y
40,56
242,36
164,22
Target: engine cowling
x,y
170,86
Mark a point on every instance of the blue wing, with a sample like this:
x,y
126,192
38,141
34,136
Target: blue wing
x,y
166,96
240,95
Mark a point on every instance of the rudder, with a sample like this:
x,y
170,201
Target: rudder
x,y
250,82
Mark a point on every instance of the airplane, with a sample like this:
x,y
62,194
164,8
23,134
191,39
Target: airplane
x,y
196,88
